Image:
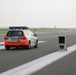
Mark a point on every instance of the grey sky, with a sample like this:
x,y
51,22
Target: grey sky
x,y
38,13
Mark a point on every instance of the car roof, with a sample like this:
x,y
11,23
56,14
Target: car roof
x,y
18,30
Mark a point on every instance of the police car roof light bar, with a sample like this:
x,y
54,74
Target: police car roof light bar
x,y
20,27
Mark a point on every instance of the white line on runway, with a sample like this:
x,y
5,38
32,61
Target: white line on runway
x,y
41,41
35,65
1,43
2,47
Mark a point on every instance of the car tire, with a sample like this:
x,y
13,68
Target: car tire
x,y
17,47
7,47
36,45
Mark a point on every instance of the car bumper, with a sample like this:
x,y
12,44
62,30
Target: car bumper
x,y
13,44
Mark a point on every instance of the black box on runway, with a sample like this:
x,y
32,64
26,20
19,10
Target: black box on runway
x,y
62,42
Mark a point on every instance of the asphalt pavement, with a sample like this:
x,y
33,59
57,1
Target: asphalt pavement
x,y
64,66
12,58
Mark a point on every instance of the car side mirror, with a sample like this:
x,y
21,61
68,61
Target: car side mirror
x,y
35,34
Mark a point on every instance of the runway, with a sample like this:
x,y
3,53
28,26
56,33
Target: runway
x,y
13,58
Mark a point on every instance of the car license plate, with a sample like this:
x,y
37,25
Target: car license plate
x,y
12,40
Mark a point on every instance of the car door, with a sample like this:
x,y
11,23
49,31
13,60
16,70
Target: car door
x,y
32,38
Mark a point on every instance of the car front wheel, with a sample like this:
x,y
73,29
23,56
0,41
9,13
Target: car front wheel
x,y
36,44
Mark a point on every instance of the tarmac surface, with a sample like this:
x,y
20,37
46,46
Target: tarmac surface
x,y
15,57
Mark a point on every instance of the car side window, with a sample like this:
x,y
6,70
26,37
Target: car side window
x,y
26,33
31,33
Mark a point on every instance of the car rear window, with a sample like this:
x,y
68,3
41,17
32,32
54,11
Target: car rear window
x,y
14,33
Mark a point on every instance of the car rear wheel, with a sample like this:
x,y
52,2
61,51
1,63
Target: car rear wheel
x,y
7,47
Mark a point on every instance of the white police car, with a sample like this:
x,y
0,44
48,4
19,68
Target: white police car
x,y
20,37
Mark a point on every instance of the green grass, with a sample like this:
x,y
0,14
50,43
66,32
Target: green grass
x,y
47,30
4,31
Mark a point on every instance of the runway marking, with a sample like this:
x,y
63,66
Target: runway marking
x,y
35,65
2,47
41,41
1,43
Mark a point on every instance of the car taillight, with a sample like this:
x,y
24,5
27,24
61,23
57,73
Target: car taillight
x,y
23,37
5,38
20,39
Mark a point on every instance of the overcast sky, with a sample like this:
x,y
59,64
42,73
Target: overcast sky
x,y
38,13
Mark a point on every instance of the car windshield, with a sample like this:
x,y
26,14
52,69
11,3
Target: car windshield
x,y
14,33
